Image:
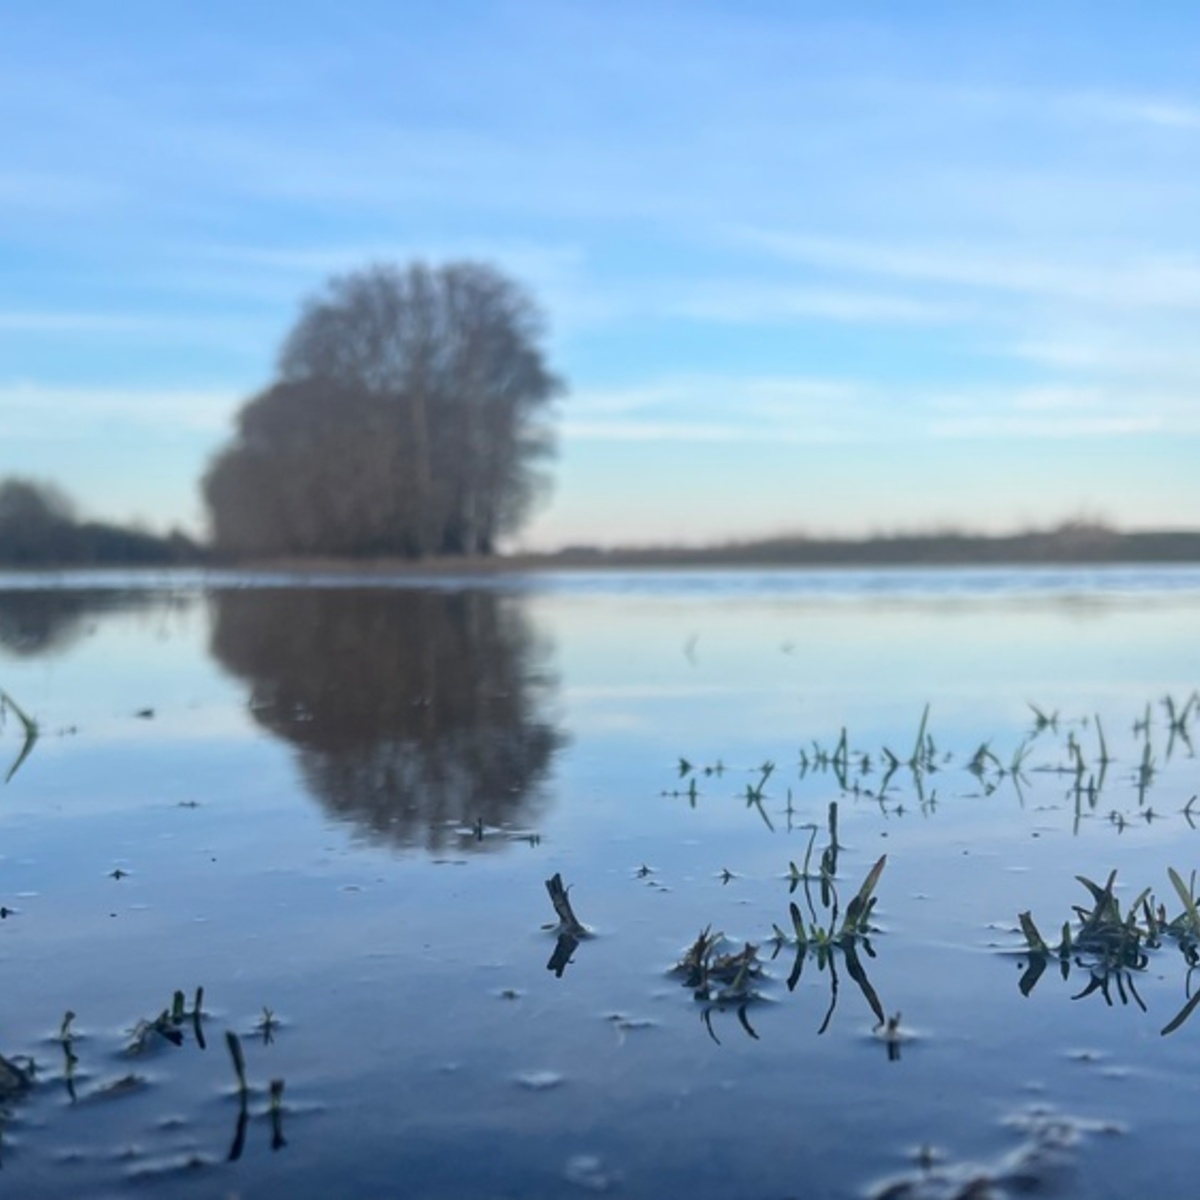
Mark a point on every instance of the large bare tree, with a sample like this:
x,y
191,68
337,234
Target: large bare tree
x,y
410,417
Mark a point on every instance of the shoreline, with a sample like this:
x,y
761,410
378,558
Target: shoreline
x,y
1068,546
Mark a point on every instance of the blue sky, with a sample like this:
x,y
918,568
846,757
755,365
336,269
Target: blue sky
x,y
807,267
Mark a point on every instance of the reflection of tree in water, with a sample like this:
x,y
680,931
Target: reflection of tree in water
x,y
415,713
50,620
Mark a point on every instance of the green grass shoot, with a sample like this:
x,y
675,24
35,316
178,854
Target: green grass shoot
x,y
918,754
858,911
1189,903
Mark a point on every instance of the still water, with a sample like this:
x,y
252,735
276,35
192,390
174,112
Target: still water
x,y
334,805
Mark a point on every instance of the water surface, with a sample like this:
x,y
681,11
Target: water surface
x,y
334,806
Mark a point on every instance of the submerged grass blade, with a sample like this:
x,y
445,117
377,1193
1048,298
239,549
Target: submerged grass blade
x,y
1032,973
1181,1016
278,1141
28,724
745,1022
197,1014
855,969
833,995
239,1062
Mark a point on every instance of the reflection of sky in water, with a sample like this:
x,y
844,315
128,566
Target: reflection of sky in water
x,y
390,965
718,677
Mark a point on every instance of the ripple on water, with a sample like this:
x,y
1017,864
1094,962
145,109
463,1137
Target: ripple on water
x,y
539,1081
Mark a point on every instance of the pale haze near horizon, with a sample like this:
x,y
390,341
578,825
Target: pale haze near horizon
x,y
806,269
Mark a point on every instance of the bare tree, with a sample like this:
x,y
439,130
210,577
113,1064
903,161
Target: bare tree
x,y
452,357
309,473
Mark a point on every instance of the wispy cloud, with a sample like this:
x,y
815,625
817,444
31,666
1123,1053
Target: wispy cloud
x,y
744,302
524,257
698,431
737,409
14,321
224,339
1164,112
35,411
807,411
1144,282
1034,427
559,275
62,322
752,395
1057,411
554,272
1137,355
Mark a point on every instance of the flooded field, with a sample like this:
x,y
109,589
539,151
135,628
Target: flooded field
x,y
698,884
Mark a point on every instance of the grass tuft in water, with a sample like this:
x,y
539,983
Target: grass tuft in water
x,y
168,1024
721,974
267,1025
1112,946
141,1034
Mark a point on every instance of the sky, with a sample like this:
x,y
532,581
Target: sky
x,y
834,269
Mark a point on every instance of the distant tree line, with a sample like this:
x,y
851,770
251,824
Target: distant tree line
x,y
409,418
38,527
1078,542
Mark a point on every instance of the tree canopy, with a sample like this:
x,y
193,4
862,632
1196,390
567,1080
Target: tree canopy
x,y
409,416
